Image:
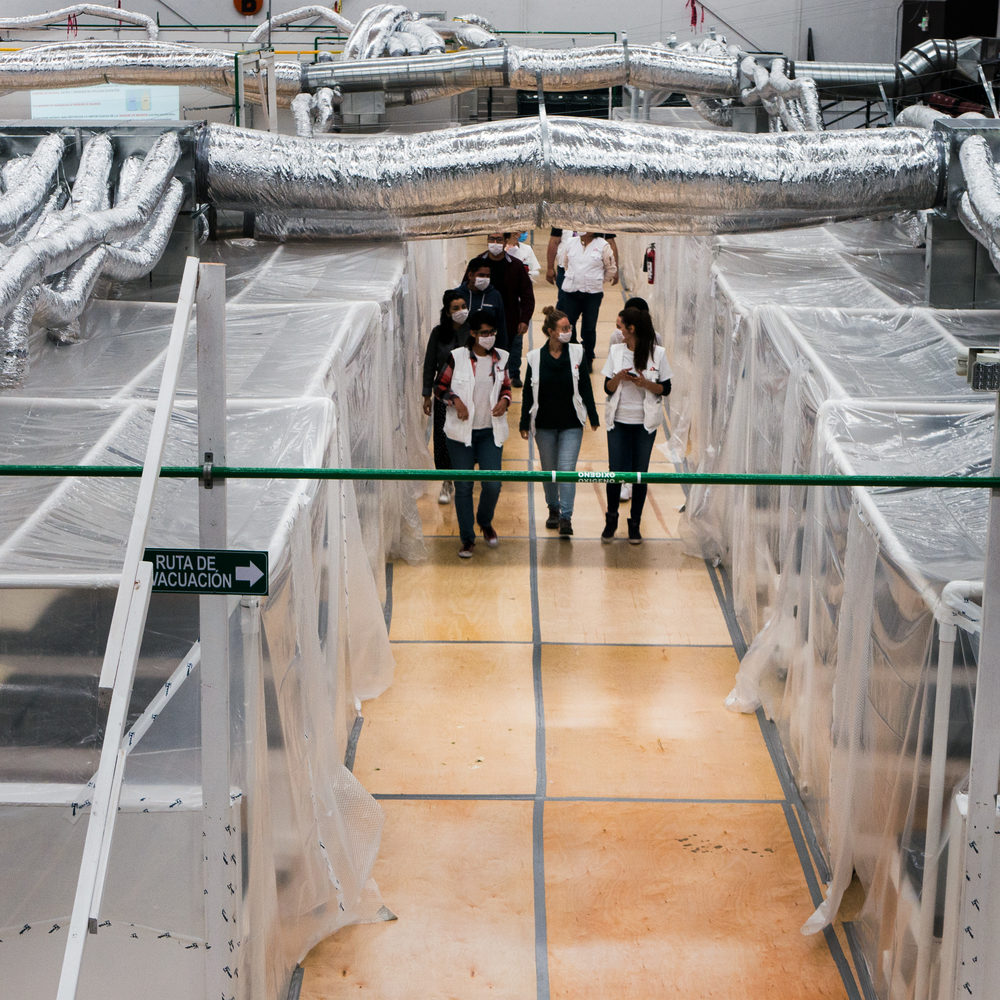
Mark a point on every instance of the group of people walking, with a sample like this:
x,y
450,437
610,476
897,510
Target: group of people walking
x,y
473,362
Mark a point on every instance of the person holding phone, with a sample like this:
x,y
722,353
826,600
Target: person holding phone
x,y
475,387
558,400
617,337
636,379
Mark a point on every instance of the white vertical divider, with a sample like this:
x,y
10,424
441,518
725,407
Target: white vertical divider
x,y
272,91
222,885
977,930
121,657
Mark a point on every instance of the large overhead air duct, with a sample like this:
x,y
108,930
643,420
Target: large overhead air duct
x,y
918,72
426,77
84,64
527,172
80,64
648,67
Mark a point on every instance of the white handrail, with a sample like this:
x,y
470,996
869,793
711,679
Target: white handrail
x,y
122,656
150,473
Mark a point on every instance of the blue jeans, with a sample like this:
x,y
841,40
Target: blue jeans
x,y
485,452
629,449
558,451
514,361
587,305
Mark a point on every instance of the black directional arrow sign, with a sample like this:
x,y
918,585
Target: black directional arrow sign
x,y
208,571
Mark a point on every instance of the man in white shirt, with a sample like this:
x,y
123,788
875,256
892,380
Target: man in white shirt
x,y
517,247
590,262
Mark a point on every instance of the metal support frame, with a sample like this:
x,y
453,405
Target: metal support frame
x,y
977,936
120,660
890,114
267,84
949,620
222,883
988,87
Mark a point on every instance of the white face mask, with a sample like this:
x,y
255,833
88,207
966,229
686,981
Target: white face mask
x,y
495,248
564,336
460,316
486,343
482,284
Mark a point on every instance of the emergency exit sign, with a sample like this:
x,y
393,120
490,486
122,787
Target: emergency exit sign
x,y
208,571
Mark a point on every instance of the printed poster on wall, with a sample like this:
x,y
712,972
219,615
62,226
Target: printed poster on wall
x,y
108,100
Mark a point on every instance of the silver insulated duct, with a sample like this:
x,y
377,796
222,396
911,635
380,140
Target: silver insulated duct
x,y
80,64
644,66
537,172
84,64
917,72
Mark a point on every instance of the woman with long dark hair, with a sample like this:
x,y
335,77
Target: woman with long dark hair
x,y
617,337
452,331
636,378
557,402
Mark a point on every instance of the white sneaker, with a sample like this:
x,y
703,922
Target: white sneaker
x,y
445,495
626,492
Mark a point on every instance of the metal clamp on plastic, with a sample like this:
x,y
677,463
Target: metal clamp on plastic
x,y
206,471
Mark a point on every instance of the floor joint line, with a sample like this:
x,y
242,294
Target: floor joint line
x,y
387,607
541,783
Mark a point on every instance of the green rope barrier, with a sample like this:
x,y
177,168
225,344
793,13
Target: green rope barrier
x,y
433,475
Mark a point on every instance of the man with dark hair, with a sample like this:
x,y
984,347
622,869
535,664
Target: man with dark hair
x,y
510,277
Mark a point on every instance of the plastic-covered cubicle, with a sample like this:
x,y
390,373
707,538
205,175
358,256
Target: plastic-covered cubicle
x,y
324,353
812,351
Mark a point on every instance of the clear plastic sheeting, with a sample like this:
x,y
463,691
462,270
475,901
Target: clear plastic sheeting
x,y
847,665
324,349
811,351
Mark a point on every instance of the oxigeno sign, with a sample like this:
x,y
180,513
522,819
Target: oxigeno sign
x,y
208,571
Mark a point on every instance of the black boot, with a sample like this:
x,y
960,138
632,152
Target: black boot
x,y
610,527
552,521
565,527
634,538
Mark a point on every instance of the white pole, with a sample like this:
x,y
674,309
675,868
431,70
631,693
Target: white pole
x,y
976,936
221,887
953,892
272,94
947,634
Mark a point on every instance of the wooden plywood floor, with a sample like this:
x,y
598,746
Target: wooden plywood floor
x,y
570,810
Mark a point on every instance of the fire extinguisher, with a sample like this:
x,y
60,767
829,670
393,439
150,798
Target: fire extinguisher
x,y
649,263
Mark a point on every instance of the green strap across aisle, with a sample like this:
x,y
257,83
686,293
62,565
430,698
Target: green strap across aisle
x,y
432,475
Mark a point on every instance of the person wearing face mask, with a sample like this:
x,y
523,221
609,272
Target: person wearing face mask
x,y
636,379
558,401
510,277
475,387
451,332
590,262
618,337
517,247
482,296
